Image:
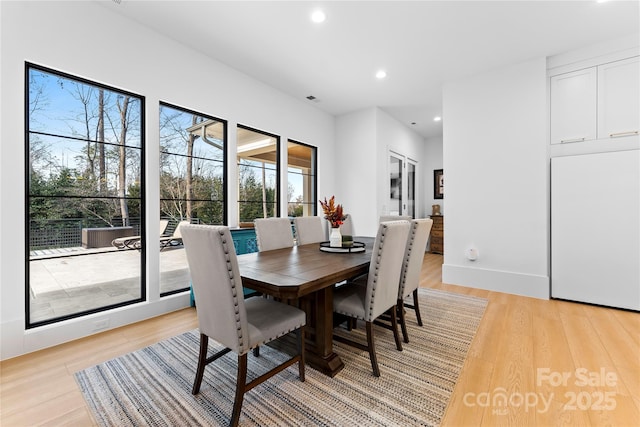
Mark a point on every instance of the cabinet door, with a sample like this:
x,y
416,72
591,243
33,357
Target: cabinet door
x,y
595,228
573,106
619,99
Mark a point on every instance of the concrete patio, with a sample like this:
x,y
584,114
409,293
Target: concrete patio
x,y
72,280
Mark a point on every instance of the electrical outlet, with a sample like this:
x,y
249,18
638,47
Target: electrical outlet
x,y
101,324
472,253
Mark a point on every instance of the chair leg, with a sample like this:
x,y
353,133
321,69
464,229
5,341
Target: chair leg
x,y
202,362
403,320
372,350
416,307
394,327
256,351
352,323
241,384
301,350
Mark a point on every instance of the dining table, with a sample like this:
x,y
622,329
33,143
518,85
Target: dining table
x,y
305,276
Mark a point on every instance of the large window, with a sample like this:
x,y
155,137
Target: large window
x,y
301,177
258,175
192,184
85,187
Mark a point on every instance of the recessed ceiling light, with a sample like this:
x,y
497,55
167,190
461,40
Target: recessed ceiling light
x,y
318,16
381,74
437,118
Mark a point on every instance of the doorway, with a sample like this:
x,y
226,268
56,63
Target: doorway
x,y
402,185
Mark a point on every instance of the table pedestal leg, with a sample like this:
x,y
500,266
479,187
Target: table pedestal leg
x,y
320,354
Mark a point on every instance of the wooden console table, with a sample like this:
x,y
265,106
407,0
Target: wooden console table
x,y
437,235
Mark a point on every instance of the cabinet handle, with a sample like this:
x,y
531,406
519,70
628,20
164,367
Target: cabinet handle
x,y
562,141
619,134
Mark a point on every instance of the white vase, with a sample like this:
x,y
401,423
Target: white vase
x,y
335,238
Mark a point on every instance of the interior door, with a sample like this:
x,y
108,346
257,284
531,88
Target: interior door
x,y
410,200
402,185
396,167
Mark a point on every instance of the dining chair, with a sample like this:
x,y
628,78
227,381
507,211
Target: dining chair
x,y
368,297
412,266
225,316
309,229
384,218
273,233
347,229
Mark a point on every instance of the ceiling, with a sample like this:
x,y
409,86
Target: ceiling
x,y
420,44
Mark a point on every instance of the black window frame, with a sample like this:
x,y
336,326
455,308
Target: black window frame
x,y
278,165
314,162
27,196
225,162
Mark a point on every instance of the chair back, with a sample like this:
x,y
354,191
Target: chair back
x,y
414,255
346,229
384,270
217,285
309,229
163,226
273,233
384,218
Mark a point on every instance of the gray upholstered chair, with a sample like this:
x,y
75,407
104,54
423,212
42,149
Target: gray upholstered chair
x,y
273,233
309,229
347,229
384,218
410,277
224,315
372,295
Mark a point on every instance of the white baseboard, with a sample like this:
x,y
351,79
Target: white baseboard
x,y
17,341
527,285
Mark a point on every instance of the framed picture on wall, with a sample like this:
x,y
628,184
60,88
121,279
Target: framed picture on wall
x,y
438,184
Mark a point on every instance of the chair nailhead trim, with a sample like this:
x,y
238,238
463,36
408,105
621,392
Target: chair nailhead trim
x,y
414,230
234,289
377,268
280,335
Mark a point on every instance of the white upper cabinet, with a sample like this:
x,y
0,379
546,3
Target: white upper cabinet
x,y
619,99
600,102
573,106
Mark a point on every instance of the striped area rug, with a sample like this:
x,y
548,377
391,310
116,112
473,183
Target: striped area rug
x,y
152,386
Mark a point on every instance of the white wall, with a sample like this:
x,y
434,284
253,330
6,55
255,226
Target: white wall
x,y
87,40
432,160
363,141
395,136
495,160
355,167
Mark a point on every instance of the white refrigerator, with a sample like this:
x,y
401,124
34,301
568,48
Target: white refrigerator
x,y
595,228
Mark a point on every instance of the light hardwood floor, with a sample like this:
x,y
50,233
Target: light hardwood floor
x,y
518,337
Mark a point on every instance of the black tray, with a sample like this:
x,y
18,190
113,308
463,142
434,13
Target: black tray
x,y
356,247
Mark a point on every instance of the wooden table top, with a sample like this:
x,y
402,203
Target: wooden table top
x,y
291,273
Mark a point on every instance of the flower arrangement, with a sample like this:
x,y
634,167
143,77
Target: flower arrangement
x,y
332,212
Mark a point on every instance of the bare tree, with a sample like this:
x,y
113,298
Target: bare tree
x,y
100,138
189,178
84,94
122,163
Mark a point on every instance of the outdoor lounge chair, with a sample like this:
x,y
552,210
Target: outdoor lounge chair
x,y
175,239
133,242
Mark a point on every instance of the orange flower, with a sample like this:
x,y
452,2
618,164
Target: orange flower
x,y
332,212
